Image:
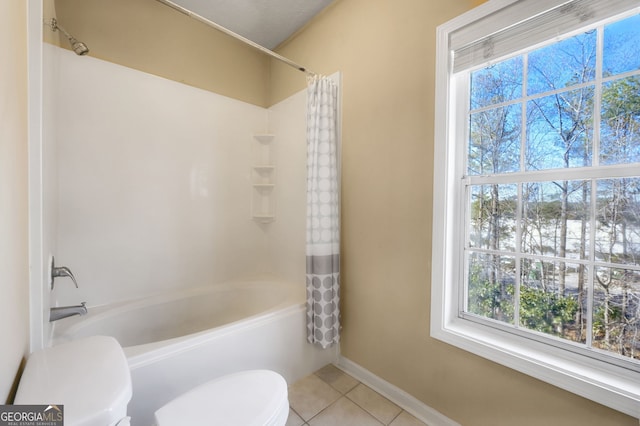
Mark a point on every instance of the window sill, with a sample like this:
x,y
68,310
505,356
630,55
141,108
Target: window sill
x,y
615,387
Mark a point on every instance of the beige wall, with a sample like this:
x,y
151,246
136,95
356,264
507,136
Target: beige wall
x,y
149,36
14,285
385,50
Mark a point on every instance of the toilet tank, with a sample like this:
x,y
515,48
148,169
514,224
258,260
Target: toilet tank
x,y
90,377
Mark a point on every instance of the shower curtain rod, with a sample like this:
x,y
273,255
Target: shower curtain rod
x,y
236,36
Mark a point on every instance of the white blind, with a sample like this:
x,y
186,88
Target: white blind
x,y
526,23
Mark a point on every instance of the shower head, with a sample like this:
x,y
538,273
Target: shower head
x,y
79,47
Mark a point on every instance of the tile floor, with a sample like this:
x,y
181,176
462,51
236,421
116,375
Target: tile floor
x,y
330,397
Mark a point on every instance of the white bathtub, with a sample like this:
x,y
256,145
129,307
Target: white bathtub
x,y
176,341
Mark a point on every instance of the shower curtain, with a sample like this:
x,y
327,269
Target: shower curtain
x,y
323,214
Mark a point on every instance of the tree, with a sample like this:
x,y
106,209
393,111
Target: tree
x,y
494,147
564,118
555,215
620,136
617,315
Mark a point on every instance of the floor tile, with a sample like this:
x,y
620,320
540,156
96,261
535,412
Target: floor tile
x,y
344,413
311,395
406,419
374,403
331,397
338,379
294,419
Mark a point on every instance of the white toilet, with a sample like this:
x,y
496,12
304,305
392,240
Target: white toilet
x,y
91,378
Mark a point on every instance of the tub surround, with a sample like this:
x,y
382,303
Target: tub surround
x,y
143,207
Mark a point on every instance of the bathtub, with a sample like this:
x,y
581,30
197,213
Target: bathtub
x,y
176,341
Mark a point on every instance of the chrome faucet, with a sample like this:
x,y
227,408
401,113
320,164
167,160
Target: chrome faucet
x,y
61,271
67,311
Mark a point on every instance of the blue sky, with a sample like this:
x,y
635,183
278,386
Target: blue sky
x,y
552,138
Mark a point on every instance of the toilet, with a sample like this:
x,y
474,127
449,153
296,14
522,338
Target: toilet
x,y
90,377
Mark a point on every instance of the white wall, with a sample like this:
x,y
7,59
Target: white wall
x,y
153,184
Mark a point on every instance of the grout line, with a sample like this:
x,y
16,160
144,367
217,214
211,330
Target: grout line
x,y
348,391
344,395
402,410
298,414
366,411
370,413
325,408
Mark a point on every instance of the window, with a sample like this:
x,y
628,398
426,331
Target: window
x,y
536,259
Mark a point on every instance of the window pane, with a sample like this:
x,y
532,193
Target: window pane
x,y
497,83
620,124
494,142
621,46
618,221
616,311
492,217
562,64
491,284
553,298
555,218
535,113
559,130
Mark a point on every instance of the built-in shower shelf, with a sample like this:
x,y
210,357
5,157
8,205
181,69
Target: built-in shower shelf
x,y
264,218
263,175
264,137
264,170
263,179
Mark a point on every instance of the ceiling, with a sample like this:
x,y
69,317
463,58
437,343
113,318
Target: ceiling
x,y
266,22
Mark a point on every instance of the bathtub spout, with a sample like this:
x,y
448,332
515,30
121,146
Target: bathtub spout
x,y
67,311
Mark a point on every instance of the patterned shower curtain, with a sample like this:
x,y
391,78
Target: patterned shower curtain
x,y
323,214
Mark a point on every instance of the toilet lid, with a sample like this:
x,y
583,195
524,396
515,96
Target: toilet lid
x,y
89,376
248,398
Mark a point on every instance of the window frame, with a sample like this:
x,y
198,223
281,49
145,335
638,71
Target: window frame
x,y
611,385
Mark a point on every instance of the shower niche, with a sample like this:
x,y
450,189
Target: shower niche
x,y
263,179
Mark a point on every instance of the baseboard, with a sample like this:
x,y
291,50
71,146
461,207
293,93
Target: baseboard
x,y
415,407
